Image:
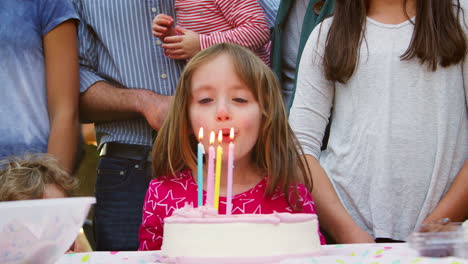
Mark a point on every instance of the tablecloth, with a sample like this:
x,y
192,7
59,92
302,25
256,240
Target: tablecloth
x,y
397,253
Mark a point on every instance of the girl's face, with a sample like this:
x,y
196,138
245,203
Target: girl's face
x,y
220,100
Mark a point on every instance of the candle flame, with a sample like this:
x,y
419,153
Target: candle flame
x,y
231,134
212,137
200,134
220,136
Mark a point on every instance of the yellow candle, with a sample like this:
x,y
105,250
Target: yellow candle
x,y
219,159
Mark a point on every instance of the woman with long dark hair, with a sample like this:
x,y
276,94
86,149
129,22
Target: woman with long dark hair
x,y
395,74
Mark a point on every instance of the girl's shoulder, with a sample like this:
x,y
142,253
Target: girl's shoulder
x,y
318,38
180,181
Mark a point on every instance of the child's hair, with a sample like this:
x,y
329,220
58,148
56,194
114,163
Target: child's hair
x,y
277,152
438,36
26,178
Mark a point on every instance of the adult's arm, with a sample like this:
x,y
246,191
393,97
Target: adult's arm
x,y
61,64
309,118
105,102
101,100
333,217
453,204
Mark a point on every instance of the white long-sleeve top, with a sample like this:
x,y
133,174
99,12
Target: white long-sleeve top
x,y
399,133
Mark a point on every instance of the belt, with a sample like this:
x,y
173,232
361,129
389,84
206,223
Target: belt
x,y
127,151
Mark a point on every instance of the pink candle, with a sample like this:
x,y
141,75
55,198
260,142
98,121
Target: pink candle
x,y
230,171
211,170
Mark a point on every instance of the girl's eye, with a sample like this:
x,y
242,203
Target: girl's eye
x,y
240,100
205,100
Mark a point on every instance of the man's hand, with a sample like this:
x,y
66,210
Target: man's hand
x,y
163,26
154,107
182,46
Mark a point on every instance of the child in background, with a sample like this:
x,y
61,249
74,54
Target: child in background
x,y
201,24
222,87
395,75
38,176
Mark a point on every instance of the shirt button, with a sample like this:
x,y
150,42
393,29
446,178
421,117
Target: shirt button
x,y
154,10
158,42
164,76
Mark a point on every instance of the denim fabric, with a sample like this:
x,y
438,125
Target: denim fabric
x,y
121,186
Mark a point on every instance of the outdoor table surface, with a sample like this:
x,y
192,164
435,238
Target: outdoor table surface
x,y
395,253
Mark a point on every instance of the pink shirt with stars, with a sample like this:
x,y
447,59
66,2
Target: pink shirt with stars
x,y
166,194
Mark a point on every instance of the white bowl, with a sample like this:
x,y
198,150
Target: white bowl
x,y
40,231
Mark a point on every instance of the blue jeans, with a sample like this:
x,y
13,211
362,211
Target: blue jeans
x,y
121,186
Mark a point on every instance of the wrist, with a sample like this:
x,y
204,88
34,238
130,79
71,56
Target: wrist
x,y
141,100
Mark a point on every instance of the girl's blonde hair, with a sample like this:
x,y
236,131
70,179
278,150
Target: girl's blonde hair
x,y
276,153
26,178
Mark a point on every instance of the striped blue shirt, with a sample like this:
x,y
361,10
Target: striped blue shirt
x,y
116,46
270,7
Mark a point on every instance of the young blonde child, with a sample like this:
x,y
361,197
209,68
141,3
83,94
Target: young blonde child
x,y
222,87
38,176
201,24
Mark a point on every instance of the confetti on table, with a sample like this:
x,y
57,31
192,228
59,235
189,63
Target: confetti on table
x,y
85,258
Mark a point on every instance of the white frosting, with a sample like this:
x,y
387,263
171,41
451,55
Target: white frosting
x,y
200,233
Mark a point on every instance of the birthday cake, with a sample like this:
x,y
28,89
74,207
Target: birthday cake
x,y
201,235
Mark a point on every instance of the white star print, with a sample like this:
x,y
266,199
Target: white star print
x,y
311,204
148,215
243,205
154,236
155,186
172,203
258,210
182,182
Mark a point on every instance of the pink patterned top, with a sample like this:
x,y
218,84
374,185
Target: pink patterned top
x,y
166,194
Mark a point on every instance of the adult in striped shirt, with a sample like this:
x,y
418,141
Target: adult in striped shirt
x,y
126,84
203,23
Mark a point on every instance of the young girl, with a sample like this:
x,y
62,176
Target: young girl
x,y
222,87
201,24
396,76
38,176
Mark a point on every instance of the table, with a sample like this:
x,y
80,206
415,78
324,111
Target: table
x,y
398,253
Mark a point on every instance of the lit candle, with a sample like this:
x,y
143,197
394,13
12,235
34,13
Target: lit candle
x,y
230,170
200,152
210,180
219,159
